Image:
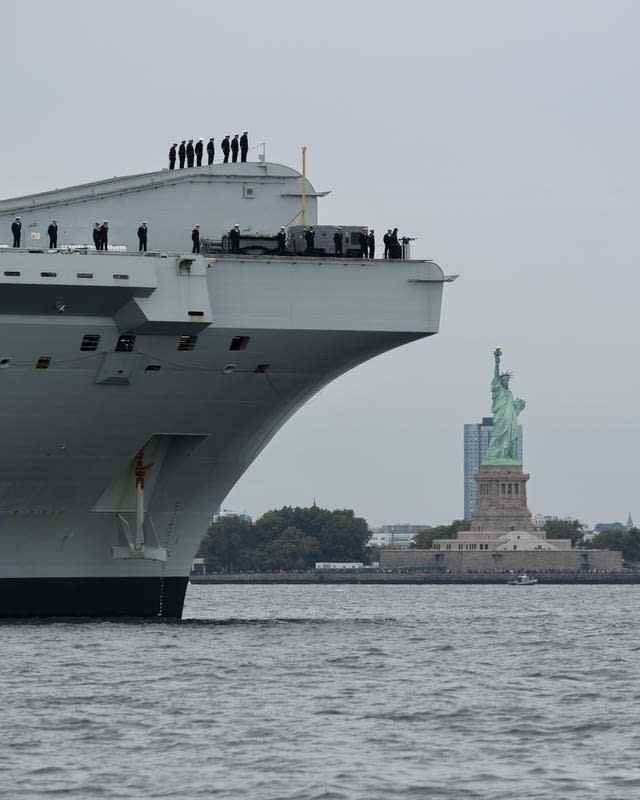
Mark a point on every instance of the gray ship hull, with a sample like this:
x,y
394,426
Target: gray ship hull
x,y
135,390
73,420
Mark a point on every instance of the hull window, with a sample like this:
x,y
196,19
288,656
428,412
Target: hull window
x,y
187,342
90,342
125,343
239,343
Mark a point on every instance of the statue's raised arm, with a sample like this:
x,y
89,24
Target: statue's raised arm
x,y
503,446
497,355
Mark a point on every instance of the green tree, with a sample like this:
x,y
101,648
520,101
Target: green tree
x,y
226,547
424,539
626,542
291,550
341,536
565,529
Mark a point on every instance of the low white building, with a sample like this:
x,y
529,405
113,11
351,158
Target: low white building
x,y
502,541
400,535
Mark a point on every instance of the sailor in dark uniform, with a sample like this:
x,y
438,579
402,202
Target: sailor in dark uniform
x,y
387,241
211,150
310,238
337,241
172,156
96,235
234,148
190,153
52,230
182,153
244,146
395,250
143,232
371,241
195,238
16,230
364,244
234,239
282,241
198,148
225,148
104,236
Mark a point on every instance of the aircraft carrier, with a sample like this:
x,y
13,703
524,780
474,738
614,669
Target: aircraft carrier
x,y
135,389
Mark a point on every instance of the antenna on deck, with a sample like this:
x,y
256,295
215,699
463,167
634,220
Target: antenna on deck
x,y
303,186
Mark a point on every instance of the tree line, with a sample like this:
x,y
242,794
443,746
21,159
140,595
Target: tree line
x,y
285,539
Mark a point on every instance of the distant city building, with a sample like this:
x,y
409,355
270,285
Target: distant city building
x,y
540,520
395,535
601,527
477,436
225,512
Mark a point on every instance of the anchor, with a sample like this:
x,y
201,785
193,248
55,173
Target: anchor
x,y
136,547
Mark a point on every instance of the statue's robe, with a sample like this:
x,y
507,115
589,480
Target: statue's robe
x,y
504,432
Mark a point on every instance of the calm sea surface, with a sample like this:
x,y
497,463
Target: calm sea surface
x,y
332,692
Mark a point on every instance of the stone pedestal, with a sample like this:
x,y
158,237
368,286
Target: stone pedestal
x,y
502,499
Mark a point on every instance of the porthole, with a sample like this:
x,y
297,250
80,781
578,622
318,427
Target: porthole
x,y
229,368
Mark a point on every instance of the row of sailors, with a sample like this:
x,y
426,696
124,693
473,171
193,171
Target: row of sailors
x,y
366,242
100,235
192,153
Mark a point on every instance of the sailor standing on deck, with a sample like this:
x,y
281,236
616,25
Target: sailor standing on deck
x,y
172,156
387,241
337,242
364,243
371,241
310,239
104,236
210,151
234,239
234,148
96,235
182,153
190,153
244,146
16,230
142,237
225,148
199,147
195,238
52,230
282,241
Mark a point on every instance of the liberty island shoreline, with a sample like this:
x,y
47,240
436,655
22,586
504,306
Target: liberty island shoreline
x,y
630,577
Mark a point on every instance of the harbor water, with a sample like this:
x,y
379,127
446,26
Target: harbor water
x,y
331,692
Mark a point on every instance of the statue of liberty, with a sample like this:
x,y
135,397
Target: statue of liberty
x,y
503,445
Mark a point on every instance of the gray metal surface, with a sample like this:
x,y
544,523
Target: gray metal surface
x,y
69,435
171,201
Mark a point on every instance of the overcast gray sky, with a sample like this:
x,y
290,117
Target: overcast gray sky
x,y
504,134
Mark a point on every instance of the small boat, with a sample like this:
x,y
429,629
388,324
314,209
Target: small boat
x,y
523,580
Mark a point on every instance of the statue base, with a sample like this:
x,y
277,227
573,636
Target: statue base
x,y
502,499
